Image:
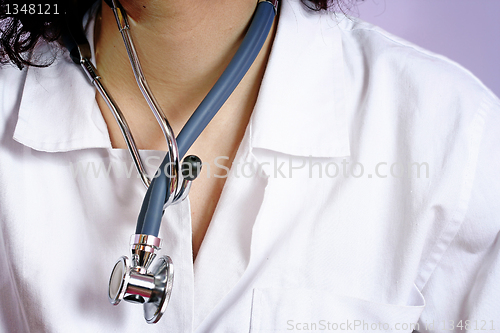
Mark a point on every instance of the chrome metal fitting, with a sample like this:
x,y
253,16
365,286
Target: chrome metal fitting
x,y
143,249
136,282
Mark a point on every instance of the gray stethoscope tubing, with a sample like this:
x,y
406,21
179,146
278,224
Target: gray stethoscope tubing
x,y
152,209
141,281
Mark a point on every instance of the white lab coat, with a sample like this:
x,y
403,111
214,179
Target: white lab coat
x,y
288,248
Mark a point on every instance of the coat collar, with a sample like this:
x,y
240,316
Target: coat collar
x,y
58,110
299,111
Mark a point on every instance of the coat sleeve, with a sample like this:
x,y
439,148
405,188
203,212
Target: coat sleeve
x,y
463,292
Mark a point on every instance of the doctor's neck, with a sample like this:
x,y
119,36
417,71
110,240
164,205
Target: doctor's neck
x,y
183,45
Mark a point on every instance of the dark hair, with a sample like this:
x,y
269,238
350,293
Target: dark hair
x,y
20,33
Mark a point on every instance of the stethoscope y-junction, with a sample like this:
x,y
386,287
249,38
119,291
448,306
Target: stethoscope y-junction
x,y
142,279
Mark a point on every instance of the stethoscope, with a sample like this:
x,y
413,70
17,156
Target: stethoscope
x,y
142,279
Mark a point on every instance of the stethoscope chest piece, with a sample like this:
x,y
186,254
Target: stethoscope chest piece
x,y
140,280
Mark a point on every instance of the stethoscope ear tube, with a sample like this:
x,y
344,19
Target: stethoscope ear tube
x,y
76,42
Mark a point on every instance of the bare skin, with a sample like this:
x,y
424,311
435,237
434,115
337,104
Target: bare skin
x,y
184,46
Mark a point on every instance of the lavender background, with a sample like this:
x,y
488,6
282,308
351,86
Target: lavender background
x,y
466,31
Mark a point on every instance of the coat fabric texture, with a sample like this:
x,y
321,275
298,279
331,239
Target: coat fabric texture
x,y
363,197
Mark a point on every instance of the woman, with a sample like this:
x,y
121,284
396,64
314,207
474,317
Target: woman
x,y
360,195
